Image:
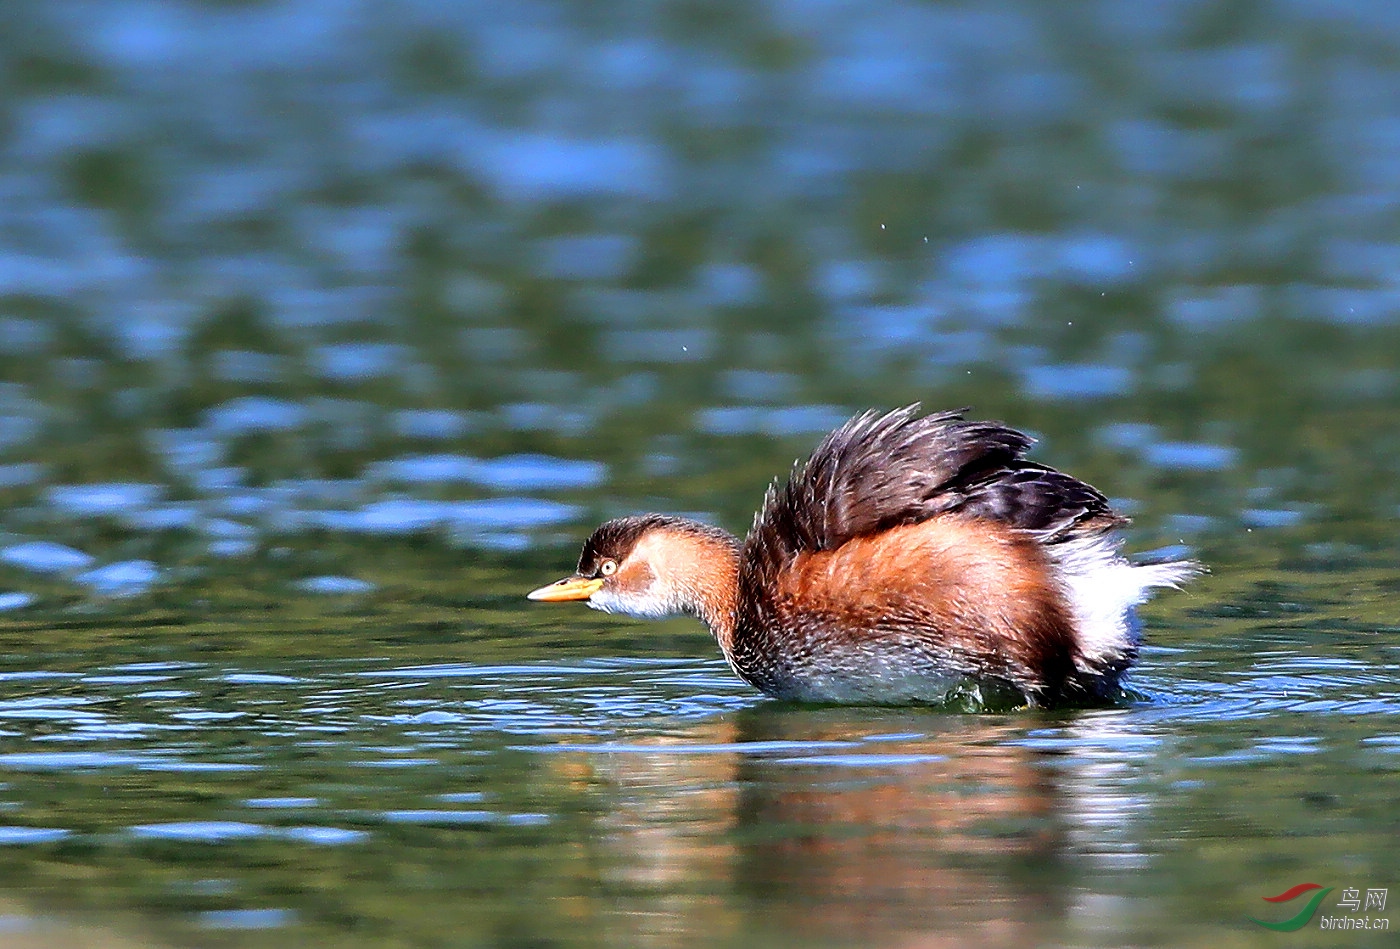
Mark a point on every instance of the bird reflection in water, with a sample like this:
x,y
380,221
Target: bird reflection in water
x,y
831,824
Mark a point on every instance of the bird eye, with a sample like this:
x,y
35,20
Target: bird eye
x,y
608,568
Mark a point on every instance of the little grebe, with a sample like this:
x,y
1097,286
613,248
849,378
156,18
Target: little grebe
x,y
909,555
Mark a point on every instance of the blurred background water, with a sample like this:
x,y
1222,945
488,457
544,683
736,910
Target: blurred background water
x,y
328,329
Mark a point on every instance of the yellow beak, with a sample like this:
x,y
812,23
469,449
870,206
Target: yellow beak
x,y
569,588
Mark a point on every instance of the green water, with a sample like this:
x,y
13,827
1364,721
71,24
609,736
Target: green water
x,y
327,332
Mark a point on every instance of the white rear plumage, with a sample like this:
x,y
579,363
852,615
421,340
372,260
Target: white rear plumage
x,y
1103,587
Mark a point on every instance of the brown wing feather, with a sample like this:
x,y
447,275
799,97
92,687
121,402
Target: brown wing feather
x,y
1047,503
880,471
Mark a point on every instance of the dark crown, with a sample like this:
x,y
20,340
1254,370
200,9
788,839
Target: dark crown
x,y
615,539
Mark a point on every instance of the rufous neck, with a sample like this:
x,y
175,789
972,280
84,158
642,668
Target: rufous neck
x,y
715,592
699,571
